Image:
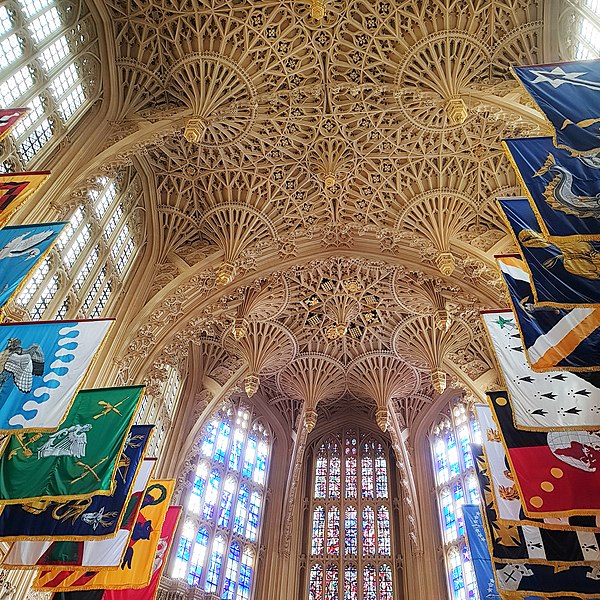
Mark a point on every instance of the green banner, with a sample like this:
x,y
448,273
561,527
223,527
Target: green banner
x,y
77,460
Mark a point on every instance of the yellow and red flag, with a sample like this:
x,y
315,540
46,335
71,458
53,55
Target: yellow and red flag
x,y
15,188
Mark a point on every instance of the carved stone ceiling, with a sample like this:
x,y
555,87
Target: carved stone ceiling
x,y
381,121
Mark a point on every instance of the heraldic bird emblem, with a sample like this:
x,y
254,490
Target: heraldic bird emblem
x,y
24,246
21,364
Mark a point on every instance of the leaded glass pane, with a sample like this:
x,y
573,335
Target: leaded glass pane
x,y
315,586
318,531
369,583
231,572
350,526
331,583
214,565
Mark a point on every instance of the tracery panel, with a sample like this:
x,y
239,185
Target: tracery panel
x,y
351,542
456,485
225,505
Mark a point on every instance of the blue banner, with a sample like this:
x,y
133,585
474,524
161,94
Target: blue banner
x,y
553,338
97,517
480,555
42,365
564,190
564,272
21,249
569,95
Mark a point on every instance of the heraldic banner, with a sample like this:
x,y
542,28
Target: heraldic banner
x,y
553,338
541,401
15,188
42,365
135,570
8,117
503,492
78,460
96,553
160,560
567,93
562,189
564,271
97,517
21,250
533,544
480,555
556,472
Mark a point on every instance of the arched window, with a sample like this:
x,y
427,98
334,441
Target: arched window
x,y
42,45
456,484
219,540
350,546
159,411
90,259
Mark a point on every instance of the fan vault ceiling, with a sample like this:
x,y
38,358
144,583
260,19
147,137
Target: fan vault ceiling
x,y
322,191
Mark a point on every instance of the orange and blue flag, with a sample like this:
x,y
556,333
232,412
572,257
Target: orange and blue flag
x,y
553,338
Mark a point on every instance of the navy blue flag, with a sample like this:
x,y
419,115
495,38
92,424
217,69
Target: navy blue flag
x,y
553,338
480,555
98,517
564,191
569,95
565,272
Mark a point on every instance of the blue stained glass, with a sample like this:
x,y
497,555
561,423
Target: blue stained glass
x,y
198,557
209,438
231,571
464,445
369,583
458,582
315,584
476,431
197,490
183,550
459,500
249,457
261,464
214,566
350,583
350,532
252,526
235,456
449,518
440,461
208,510
318,531
452,454
241,511
473,490
245,576
226,502
222,442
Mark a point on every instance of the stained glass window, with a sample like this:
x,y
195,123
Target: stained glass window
x,y
77,277
350,547
456,484
226,501
41,68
